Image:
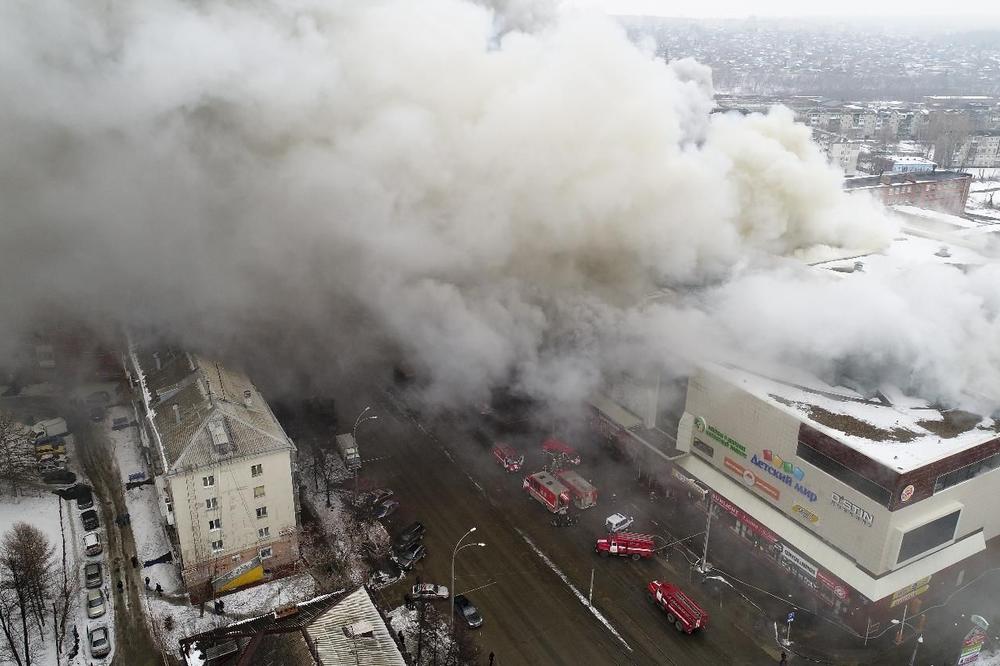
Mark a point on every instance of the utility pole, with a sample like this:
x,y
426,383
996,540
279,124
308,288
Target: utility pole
x,y
708,527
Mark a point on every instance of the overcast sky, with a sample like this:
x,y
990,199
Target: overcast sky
x,y
842,8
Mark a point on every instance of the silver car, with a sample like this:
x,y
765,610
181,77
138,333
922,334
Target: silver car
x,y
92,575
95,604
100,643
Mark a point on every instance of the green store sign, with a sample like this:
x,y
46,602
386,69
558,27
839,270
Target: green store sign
x,y
722,438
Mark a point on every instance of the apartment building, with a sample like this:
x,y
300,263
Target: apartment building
x,y
946,191
225,471
980,149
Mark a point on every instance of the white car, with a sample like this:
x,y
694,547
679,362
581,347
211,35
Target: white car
x,y
429,591
100,645
92,543
617,522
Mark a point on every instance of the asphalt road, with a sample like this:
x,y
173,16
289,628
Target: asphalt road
x,y
448,482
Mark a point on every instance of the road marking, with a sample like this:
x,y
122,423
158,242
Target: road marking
x,y
579,595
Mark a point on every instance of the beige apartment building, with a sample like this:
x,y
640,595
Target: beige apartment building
x,y
225,471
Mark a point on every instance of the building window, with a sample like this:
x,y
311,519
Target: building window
x,y
262,512
208,481
215,524
211,503
703,448
266,553
967,472
256,470
863,485
258,491
217,546
928,536
263,532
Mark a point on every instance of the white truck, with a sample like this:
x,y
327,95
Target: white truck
x,y
348,449
49,428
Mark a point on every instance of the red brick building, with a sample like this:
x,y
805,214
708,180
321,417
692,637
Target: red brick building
x,y
946,191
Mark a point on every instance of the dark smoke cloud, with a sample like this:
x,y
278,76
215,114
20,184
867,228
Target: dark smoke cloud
x,y
491,194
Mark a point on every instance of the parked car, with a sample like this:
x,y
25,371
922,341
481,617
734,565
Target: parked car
x,y
468,612
120,423
95,604
59,477
92,575
84,499
429,591
386,573
409,535
409,557
92,543
385,509
381,496
617,522
90,521
100,645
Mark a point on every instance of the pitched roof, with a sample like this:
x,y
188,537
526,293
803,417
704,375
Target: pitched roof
x,y
331,630
203,412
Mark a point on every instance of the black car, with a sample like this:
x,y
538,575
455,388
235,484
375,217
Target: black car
x,y
90,521
409,535
385,509
84,499
120,423
407,558
468,612
381,496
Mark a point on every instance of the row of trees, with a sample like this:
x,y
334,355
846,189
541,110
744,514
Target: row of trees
x,y
17,460
35,595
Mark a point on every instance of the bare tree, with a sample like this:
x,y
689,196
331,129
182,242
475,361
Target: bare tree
x,y
16,454
26,564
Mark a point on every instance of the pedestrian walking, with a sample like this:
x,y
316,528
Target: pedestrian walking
x,y
121,586
491,658
147,582
784,659
159,590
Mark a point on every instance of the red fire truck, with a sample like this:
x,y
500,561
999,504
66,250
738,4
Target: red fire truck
x,y
584,495
546,489
626,544
557,447
507,457
681,610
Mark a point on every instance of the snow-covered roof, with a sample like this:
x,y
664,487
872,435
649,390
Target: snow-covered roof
x,y
203,412
901,432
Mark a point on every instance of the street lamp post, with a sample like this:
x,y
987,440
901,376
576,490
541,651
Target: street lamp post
x,y
458,547
913,657
354,435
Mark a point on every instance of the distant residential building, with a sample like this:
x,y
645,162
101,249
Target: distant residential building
x,y
224,470
845,155
980,149
901,164
330,630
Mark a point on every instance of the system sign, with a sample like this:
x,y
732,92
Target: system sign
x,y
751,480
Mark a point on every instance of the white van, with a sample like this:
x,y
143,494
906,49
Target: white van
x,y
617,522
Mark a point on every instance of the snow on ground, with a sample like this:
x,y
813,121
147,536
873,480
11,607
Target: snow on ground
x,y
989,659
40,508
980,185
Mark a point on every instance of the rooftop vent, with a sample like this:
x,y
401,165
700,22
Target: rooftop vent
x,y
177,413
156,358
362,629
943,252
248,398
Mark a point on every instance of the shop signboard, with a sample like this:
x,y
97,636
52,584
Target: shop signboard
x,y
828,581
799,562
971,646
910,592
701,425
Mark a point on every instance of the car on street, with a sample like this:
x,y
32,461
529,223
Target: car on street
x,y
385,509
409,535
408,557
100,645
92,543
92,575
381,496
90,521
618,522
95,604
468,612
120,423
428,591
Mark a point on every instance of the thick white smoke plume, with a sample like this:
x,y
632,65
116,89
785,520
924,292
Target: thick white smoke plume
x,y
491,200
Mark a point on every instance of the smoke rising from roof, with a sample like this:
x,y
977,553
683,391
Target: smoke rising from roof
x,y
490,200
